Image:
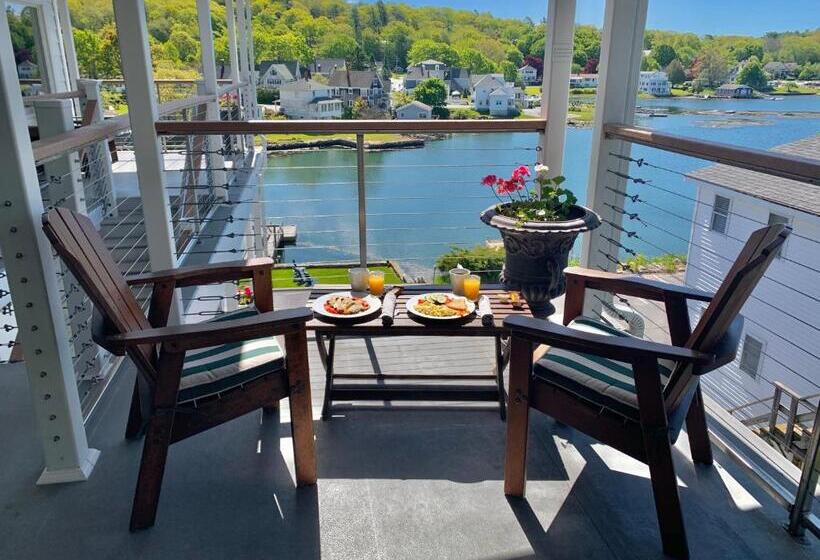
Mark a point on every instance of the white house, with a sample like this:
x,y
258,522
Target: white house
x,y
415,110
528,74
655,83
308,99
579,81
27,70
483,87
425,70
731,204
276,74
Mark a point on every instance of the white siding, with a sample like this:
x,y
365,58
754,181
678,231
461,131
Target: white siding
x,y
777,315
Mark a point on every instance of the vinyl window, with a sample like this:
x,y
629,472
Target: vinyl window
x,y
720,214
752,356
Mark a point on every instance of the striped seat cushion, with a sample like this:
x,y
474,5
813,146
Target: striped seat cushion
x,y
208,371
608,383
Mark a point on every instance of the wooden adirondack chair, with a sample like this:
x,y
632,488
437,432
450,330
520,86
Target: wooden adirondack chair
x,y
629,393
190,377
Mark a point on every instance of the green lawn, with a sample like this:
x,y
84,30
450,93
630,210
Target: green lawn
x,y
283,277
795,89
582,113
532,90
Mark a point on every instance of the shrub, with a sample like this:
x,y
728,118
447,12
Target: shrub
x,y
465,114
266,96
481,259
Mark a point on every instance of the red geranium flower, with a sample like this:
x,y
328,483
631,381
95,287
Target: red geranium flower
x,y
489,180
521,172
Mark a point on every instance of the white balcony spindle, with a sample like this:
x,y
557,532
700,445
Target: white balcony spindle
x,y
32,277
100,154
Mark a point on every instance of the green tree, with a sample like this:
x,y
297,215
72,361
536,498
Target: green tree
x,y
752,75
475,62
339,46
664,54
285,46
675,72
711,67
432,91
396,35
87,45
425,49
186,46
510,71
649,64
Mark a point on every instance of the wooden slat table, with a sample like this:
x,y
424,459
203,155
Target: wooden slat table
x,y
404,325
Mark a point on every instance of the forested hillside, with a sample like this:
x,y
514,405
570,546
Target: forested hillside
x,y
399,35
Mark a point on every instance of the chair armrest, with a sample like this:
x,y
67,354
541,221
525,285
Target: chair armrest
x,y
624,349
204,274
634,285
201,335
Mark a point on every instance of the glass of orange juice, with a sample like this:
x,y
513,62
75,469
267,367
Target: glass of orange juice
x,y
472,286
376,281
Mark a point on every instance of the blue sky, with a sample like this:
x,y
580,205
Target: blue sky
x,y
719,17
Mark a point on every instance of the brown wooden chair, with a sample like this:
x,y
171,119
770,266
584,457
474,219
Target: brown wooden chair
x,y
626,392
190,377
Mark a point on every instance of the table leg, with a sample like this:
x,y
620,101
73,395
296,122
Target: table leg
x,y
327,355
502,357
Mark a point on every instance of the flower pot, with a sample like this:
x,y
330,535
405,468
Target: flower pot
x,y
537,254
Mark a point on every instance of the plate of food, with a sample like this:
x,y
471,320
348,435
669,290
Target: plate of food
x,y
344,305
440,306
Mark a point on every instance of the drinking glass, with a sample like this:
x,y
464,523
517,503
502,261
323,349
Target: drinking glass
x,y
358,279
376,281
472,286
457,276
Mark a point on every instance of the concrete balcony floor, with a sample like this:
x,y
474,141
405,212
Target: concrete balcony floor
x,y
395,481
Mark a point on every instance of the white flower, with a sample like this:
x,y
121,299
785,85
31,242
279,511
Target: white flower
x,y
541,213
541,172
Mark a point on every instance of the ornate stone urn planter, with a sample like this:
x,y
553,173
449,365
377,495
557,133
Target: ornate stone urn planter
x,y
538,252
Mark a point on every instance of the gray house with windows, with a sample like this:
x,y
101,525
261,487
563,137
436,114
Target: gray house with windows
x,y
730,204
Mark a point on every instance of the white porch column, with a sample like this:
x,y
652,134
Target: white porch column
x,y
555,89
209,86
135,55
230,16
252,58
619,70
32,277
70,51
52,58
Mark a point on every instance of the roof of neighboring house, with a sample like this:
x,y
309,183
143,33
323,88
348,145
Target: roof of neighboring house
x,y
353,78
734,86
431,62
526,66
287,70
26,62
785,192
505,91
302,85
416,104
490,80
327,65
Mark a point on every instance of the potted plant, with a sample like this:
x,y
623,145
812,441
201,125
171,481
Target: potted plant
x,y
539,227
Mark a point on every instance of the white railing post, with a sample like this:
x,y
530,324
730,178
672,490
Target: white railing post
x,y
65,189
64,17
555,88
619,70
99,155
244,70
32,278
209,86
230,16
135,56
252,59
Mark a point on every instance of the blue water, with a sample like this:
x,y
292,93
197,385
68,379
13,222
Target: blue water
x,y
420,202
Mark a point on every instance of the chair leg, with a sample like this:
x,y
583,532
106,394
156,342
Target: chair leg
x,y
152,468
658,447
698,431
518,410
301,408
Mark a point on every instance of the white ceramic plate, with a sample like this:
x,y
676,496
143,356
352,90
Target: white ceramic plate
x,y
319,306
411,307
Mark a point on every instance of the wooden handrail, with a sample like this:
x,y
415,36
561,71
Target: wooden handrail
x,y
351,126
778,164
46,96
55,146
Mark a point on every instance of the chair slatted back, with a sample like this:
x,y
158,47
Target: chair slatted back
x,y
82,249
749,267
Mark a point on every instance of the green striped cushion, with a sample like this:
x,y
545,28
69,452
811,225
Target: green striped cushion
x,y
606,382
208,371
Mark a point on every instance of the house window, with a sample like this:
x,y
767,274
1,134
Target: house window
x,y
778,219
720,214
752,356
